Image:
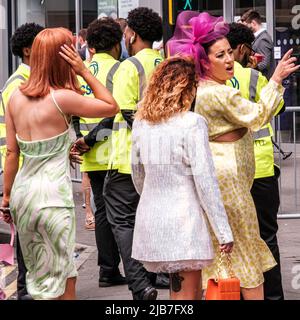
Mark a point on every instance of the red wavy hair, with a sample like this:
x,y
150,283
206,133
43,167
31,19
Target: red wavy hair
x,y
48,69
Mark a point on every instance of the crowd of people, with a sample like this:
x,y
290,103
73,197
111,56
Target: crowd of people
x,y
166,146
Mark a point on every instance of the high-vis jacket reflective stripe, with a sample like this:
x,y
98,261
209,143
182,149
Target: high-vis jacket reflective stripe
x,y
120,154
142,76
128,94
250,82
261,134
21,75
87,125
3,106
266,131
104,68
8,82
110,77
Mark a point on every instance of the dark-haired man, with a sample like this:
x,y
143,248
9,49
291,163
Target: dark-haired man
x,y
21,43
262,44
265,191
144,27
104,37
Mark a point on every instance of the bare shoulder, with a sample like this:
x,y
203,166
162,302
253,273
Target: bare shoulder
x,y
65,94
66,98
16,98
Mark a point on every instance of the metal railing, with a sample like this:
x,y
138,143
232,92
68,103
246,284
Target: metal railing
x,y
287,137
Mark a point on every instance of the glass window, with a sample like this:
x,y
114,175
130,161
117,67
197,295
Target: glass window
x,y
214,7
49,13
60,13
90,11
30,11
287,36
242,5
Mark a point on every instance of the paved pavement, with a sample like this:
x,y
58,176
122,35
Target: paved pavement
x,y
87,285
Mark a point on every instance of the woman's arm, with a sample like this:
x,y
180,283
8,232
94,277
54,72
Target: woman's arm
x,y
138,172
103,104
206,183
12,158
251,115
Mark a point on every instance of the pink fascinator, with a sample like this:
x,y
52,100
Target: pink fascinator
x,y
192,31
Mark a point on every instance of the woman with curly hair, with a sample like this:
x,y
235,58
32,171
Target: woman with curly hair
x,y
173,172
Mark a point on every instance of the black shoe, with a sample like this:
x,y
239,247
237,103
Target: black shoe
x,y
149,293
26,297
162,281
105,282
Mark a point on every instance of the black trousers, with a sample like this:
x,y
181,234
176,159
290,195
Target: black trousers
x,y
21,281
121,201
108,252
265,193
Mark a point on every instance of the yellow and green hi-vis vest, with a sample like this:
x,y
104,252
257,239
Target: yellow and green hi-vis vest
x,y
17,78
103,67
130,82
250,82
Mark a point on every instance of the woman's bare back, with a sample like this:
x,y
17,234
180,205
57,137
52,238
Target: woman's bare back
x,y
36,119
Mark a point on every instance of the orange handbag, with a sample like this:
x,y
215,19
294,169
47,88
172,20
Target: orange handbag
x,y
224,289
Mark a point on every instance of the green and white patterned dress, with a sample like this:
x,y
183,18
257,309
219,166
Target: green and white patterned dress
x,y
42,207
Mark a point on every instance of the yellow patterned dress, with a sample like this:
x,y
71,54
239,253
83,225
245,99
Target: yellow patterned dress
x,y
226,110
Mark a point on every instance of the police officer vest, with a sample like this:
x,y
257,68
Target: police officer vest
x,y
250,82
103,67
131,81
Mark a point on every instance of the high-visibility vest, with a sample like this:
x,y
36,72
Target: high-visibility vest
x,y
250,82
21,75
130,83
103,67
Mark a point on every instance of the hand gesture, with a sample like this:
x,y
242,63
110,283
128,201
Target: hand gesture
x,y
74,157
252,62
285,67
5,212
73,58
227,247
81,146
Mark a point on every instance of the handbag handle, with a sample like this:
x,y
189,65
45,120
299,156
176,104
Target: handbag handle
x,y
228,265
12,234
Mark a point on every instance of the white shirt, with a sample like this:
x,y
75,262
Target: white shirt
x,y
257,33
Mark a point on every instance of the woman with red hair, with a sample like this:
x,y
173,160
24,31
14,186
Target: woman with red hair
x,y
40,195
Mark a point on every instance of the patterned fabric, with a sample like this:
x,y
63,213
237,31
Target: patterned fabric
x,y
174,173
43,210
225,111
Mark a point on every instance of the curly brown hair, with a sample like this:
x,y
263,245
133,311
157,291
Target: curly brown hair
x,y
171,90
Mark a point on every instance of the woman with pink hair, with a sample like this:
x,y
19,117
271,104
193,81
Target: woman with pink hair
x,y
231,120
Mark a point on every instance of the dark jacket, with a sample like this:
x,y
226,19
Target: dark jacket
x,y
263,44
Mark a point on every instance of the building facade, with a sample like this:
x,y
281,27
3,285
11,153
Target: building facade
x,y
282,19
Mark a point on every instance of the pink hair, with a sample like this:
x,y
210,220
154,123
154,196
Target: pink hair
x,y
192,31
